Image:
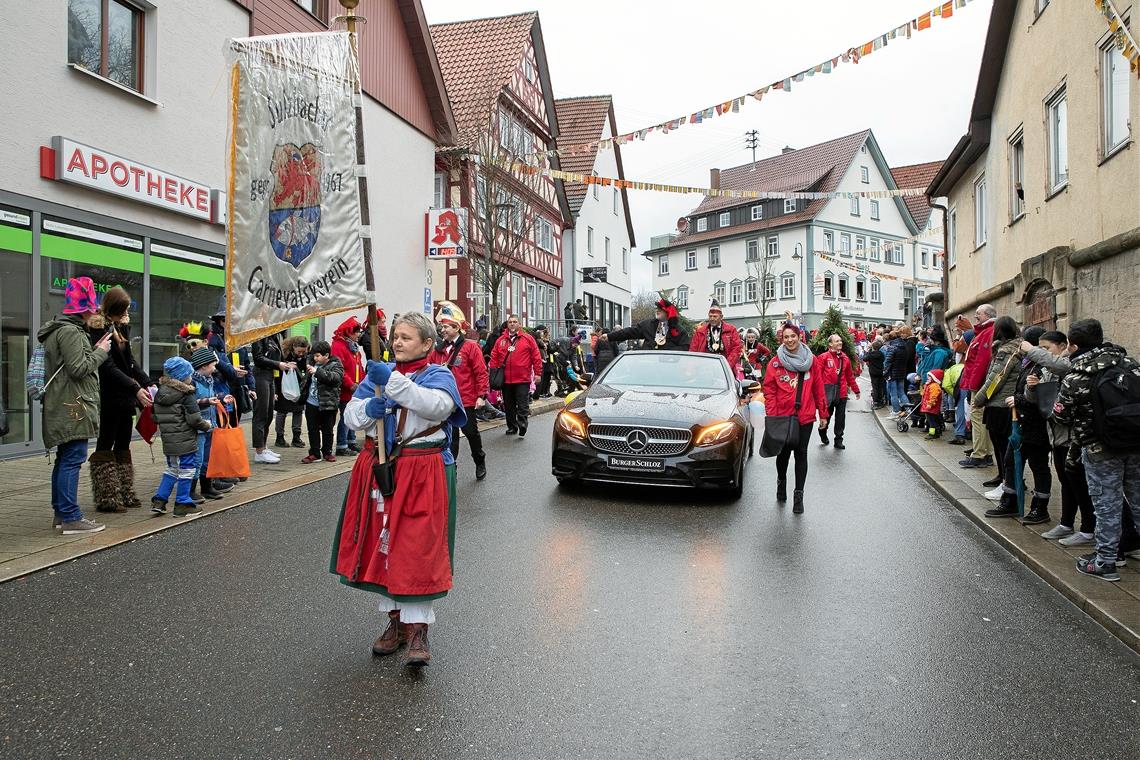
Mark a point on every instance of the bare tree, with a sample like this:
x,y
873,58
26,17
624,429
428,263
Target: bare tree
x,y
505,227
761,270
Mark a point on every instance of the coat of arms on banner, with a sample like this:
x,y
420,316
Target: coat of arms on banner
x,y
294,248
295,210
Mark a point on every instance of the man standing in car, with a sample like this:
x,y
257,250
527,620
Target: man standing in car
x,y
717,336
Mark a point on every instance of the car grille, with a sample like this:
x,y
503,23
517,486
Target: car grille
x,y
659,441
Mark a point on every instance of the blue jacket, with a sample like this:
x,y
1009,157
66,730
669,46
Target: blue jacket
x,y
204,388
935,357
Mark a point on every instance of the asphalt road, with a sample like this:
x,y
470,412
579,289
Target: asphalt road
x,y
590,623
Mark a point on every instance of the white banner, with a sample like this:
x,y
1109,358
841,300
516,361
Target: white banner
x,y
294,238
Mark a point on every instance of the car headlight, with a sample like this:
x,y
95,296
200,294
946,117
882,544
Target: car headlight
x,y
572,424
718,432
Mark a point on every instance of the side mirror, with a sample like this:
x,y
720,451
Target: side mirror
x,y
748,387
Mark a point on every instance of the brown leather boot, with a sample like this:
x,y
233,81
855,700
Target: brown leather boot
x,y
418,654
394,636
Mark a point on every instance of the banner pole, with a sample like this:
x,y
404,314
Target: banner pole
x,y
350,19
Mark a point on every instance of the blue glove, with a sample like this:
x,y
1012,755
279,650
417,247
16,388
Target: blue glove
x,y
379,372
375,407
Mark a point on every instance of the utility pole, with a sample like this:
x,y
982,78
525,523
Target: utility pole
x,y
752,141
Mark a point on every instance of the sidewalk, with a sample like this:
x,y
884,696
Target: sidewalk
x,y
29,543
1116,606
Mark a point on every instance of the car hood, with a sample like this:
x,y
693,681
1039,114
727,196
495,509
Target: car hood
x,y
673,407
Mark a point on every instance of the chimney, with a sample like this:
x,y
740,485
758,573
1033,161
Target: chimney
x,y
714,179
788,149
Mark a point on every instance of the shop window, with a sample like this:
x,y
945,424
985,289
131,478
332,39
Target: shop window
x,y
105,37
173,303
16,334
318,8
57,271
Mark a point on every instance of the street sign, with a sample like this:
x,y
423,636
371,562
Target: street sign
x,y
427,300
478,296
594,274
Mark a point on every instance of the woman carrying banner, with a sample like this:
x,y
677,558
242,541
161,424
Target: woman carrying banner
x,y
401,545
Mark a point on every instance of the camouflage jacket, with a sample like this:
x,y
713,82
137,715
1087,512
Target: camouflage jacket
x,y
1074,401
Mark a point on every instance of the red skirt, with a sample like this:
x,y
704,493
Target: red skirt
x,y
420,521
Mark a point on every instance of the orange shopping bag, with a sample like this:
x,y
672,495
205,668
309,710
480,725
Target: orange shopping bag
x,y
228,457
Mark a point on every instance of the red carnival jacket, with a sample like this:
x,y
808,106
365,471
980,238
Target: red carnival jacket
x,y
827,365
780,393
730,338
469,368
520,363
977,362
353,365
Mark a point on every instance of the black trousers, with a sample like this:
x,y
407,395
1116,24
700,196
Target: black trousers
x,y
516,403
837,412
1036,455
878,390
542,388
471,433
321,423
1074,492
801,452
116,426
262,408
998,423
297,417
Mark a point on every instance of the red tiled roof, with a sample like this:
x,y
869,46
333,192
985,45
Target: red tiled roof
x,y
580,120
477,58
817,167
917,175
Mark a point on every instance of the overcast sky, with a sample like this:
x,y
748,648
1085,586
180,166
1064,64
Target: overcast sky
x,y
661,59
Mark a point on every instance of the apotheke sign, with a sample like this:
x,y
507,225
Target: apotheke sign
x,y
79,164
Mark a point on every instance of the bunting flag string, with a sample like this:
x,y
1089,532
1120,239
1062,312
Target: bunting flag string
x,y
852,55
890,245
625,184
864,269
1122,38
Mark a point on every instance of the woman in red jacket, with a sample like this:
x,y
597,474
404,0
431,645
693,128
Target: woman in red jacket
x,y
346,347
517,352
792,388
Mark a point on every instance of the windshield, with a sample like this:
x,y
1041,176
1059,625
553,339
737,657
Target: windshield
x,y
657,370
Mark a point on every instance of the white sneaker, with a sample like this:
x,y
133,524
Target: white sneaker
x,y
1077,539
266,457
995,494
1057,531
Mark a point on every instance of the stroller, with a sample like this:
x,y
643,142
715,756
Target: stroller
x,y
911,414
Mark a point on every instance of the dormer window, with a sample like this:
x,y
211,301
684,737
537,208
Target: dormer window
x,y
702,224
725,219
789,205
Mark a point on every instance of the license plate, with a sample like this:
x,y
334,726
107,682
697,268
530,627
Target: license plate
x,y
637,464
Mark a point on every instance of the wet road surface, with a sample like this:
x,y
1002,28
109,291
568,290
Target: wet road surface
x,y
584,623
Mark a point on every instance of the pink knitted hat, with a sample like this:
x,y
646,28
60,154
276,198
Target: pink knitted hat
x,y
79,297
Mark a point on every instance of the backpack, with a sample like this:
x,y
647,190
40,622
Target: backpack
x,y
34,378
1116,406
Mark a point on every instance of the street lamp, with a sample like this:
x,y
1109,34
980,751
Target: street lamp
x,y
798,256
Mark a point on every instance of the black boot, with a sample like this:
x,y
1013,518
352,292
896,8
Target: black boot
x,y
781,490
220,485
298,443
1038,510
823,437
207,490
798,503
1007,507
480,469
194,495
281,443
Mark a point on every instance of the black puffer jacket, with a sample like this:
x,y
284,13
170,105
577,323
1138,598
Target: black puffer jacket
x,y
328,377
1034,428
267,355
178,418
873,360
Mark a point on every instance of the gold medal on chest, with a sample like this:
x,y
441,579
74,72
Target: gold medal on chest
x,y
659,340
511,350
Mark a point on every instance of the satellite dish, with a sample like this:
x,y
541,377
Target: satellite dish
x,y
682,224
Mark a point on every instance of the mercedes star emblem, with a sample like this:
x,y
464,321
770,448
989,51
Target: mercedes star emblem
x,y
637,440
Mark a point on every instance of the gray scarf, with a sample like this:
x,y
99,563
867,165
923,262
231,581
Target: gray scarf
x,y
800,361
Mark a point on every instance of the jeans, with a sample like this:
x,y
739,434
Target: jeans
x,y
210,414
344,434
69,459
179,470
897,391
471,433
1110,482
961,414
